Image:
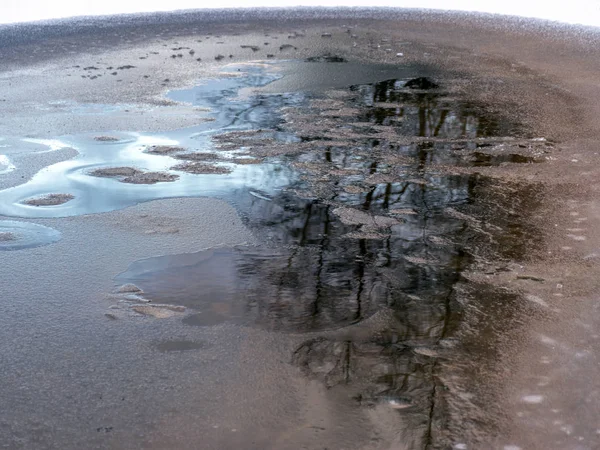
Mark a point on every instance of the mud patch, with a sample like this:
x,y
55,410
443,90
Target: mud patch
x,y
7,236
199,156
200,168
49,200
106,139
150,178
164,150
113,172
129,289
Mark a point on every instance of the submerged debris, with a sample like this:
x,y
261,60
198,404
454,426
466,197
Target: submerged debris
x,y
6,236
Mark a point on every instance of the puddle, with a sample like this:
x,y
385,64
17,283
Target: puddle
x,y
93,194
426,113
21,235
369,227
368,245
318,280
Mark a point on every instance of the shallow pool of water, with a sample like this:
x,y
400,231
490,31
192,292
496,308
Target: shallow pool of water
x,y
222,111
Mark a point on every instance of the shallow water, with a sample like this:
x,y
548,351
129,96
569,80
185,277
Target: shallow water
x,y
94,195
361,232
234,107
365,251
365,232
21,235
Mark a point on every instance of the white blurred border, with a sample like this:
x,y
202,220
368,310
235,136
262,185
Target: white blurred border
x,y
584,12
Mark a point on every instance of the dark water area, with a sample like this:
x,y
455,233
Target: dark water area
x,y
329,261
426,111
365,252
318,280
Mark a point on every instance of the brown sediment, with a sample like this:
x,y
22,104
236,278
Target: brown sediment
x,y
132,175
6,236
196,156
108,172
164,149
49,200
200,168
106,139
150,178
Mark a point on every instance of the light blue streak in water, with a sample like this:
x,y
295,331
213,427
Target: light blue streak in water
x,y
96,195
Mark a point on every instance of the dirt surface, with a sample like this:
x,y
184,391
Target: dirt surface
x,y
430,282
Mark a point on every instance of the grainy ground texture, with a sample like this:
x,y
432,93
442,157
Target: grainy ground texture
x,y
303,229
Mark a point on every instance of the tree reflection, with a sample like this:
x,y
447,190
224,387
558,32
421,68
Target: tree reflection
x,y
375,231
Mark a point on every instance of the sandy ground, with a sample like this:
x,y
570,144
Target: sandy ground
x,y
72,377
